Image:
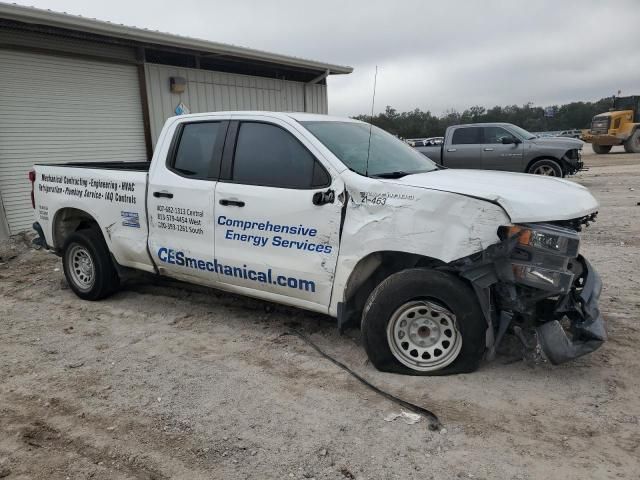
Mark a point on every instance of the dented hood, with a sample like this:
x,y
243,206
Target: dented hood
x,y
525,197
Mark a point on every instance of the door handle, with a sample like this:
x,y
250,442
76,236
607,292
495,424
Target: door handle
x,y
231,203
163,194
488,149
451,150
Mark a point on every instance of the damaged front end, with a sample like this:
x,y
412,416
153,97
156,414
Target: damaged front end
x,y
535,282
573,161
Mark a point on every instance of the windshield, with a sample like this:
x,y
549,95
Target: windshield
x,y
521,132
349,141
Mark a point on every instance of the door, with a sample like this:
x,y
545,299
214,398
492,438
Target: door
x,y
57,109
277,216
498,155
465,148
180,202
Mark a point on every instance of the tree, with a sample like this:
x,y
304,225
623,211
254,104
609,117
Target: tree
x,y
417,123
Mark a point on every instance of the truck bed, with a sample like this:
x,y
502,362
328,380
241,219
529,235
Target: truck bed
x,y
432,152
113,194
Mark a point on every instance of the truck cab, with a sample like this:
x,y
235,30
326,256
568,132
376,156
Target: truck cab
x,y
506,147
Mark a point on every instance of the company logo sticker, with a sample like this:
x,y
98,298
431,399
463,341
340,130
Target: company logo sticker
x,y
130,219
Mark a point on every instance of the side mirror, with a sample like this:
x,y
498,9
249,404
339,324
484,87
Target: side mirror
x,y
322,198
508,140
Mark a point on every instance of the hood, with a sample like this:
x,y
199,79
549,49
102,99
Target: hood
x,y
525,197
558,142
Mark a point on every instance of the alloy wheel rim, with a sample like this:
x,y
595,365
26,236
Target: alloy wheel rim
x,y
81,267
545,170
424,336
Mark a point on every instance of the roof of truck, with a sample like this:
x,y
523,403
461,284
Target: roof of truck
x,y
298,116
486,124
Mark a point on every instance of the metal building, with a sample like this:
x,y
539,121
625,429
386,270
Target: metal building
x,y
79,89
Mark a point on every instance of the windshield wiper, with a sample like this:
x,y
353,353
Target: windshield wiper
x,y
397,174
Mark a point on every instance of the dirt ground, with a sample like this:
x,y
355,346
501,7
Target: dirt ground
x,y
165,380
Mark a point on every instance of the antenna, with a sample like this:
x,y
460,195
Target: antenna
x,y
373,102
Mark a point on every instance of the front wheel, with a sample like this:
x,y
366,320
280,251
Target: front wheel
x,y
88,266
424,322
547,167
600,149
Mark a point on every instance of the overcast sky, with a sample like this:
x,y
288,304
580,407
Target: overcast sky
x,y
430,55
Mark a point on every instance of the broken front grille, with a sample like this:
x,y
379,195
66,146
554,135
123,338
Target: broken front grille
x,y
576,223
600,125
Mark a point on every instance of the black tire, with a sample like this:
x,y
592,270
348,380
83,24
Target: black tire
x,y
433,286
601,149
89,243
551,167
632,145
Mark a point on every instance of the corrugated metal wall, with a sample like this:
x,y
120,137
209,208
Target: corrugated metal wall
x,y
209,91
60,109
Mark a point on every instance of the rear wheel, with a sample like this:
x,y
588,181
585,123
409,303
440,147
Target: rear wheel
x,y
423,322
600,149
632,145
88,266
547,167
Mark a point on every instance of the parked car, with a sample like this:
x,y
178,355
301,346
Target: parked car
x,y
429,142
503,146
415,142
424,142
335,216
575,133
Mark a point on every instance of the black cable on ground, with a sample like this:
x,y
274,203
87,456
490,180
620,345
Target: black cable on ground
x,y
434,422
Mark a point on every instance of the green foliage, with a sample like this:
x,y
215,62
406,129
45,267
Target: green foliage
x,y
416,123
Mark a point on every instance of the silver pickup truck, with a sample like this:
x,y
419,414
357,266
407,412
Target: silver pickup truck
x,y
503,146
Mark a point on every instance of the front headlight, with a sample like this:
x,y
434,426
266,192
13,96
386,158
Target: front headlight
x,y
542,255
552,239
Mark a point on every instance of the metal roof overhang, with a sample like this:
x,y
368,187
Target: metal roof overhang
x,y
31,15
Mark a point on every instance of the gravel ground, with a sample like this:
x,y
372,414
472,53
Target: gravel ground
x,y
166,380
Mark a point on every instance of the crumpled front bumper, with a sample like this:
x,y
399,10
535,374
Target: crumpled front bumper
x,y
588,330
574,164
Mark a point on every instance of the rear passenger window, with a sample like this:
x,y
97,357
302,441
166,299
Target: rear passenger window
x,y
194,156
270,156
467,136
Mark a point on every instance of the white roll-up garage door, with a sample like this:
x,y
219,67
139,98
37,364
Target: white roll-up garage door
x,y
62,109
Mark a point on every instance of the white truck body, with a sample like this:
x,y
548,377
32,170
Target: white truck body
x,y
274,242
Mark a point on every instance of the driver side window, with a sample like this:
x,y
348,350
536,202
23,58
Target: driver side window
x,y
494,135
269,156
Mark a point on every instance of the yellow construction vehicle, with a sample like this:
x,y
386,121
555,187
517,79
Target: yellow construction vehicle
x,y
618,126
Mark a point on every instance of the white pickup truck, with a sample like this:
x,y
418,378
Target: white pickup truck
x,y
336,216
